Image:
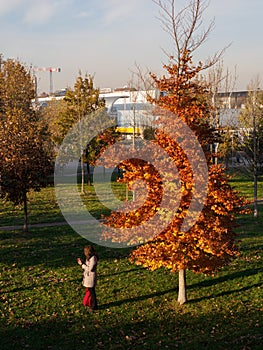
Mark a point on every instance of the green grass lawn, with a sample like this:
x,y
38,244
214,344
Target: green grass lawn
x,y
43,207
244,183
41,293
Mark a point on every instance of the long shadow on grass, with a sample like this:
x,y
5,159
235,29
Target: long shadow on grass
x,y
209,283
172,290
136,299
43,285
168,331
53,246
124,272
229,292
229,277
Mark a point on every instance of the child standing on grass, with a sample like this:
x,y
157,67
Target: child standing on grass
x,y
89,277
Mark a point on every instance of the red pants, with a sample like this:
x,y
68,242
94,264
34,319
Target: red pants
x,y
87,298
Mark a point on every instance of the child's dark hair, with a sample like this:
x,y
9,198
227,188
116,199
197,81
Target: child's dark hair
x,y
90,251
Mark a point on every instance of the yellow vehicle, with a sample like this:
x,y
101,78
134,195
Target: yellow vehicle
x,y
128,130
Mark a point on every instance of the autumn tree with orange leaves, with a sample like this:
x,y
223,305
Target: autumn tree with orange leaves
x,y
172,240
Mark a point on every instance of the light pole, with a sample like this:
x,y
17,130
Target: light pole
x,y
133,126
255,159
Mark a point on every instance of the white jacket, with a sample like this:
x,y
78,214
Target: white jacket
x,y
90,272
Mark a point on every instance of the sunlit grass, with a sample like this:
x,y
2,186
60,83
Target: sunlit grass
x,y
41,298
244,183
43,205
41,291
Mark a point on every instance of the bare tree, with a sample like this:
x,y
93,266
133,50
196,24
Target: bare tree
x,y
221,84
251,119
141,89
186,28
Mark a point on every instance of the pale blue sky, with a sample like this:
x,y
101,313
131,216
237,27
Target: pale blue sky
x,y
107,37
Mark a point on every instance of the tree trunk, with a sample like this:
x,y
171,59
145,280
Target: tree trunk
x,y
82,176
25,213
255,194
88,175
182,287
255,166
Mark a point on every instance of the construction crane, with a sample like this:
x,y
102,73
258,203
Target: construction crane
x,y
50,70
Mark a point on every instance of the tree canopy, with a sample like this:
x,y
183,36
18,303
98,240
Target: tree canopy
x,y
25,156
81,105
209,243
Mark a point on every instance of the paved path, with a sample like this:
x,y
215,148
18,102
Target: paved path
x,y
62,223
48,224
20,227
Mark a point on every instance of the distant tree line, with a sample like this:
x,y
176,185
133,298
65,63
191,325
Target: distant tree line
x,y
30,137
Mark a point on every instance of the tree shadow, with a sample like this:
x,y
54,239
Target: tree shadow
x,y
208,283
52,246
228,277
168,331
120,272
229,292
43,285
135,299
